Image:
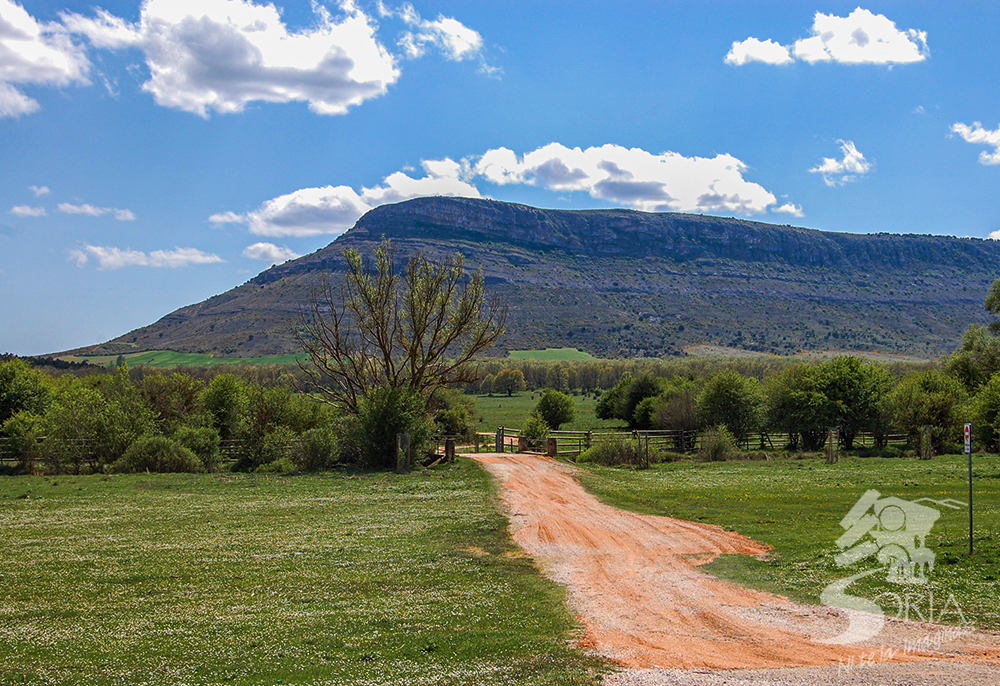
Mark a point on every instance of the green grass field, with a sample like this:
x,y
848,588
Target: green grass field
x,y
167,358
551,355
332,579
797,505
500,410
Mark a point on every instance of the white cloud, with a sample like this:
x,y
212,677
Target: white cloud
x,y
335,209
455,40
28,211
269,252
859,38
115,258
32,52
308,212
39,191
790,208
838,172
92,211
980,136
227,218
667,182
995,236
753,50
219,55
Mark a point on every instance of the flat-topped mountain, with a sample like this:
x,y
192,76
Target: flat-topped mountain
x,y
625,283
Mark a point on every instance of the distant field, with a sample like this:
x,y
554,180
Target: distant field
x,y
551,354
318,579
499,410
166,358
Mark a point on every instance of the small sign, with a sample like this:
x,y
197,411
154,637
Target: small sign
x,y
968,439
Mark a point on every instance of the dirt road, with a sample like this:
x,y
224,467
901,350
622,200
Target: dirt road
x,y
634,582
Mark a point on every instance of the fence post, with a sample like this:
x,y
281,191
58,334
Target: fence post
x,y
499,440
553,446
522,444
402,453
590,439
926,444
833,446
449,449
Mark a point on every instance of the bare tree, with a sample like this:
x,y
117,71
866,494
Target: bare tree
x,y
416,329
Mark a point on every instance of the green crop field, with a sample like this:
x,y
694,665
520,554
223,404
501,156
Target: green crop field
x,y
797,506
222,578
551,354
167,358
501,410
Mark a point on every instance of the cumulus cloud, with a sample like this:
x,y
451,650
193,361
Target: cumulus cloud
x,y
665,182
790,208
269,252
92,211
39,191
115,258
859,38
753,50
27,211
838,172
980,136
335,209
219,55
32,52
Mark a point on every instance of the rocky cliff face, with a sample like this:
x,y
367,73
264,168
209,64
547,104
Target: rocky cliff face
x,y
619,282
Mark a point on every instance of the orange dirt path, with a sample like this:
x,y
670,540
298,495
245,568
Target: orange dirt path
x,y
634,582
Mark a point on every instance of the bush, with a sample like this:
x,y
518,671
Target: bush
x,y
22,430
317,449
157,454
556,408
257,451
202,441
616,451
718,445
369,438
283,465
535,429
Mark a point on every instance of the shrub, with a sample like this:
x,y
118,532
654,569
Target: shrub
x,y
556,408
369,438
256,451
283,465
616,451
317,449
718,445
535,429
157,454
22,430
202,441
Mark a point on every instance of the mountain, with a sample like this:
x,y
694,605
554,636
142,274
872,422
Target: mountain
x,y
627,283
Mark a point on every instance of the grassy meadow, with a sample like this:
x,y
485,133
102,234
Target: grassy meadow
x,y
797,505
243,579
512,411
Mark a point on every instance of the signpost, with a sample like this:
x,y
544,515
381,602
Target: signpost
x,y
968,451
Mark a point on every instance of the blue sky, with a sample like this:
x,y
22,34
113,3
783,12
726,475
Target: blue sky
x,y
154,154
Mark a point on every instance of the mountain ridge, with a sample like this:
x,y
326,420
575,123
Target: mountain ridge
x,y
623,283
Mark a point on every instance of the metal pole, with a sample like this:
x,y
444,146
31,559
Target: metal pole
x,y
968,449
